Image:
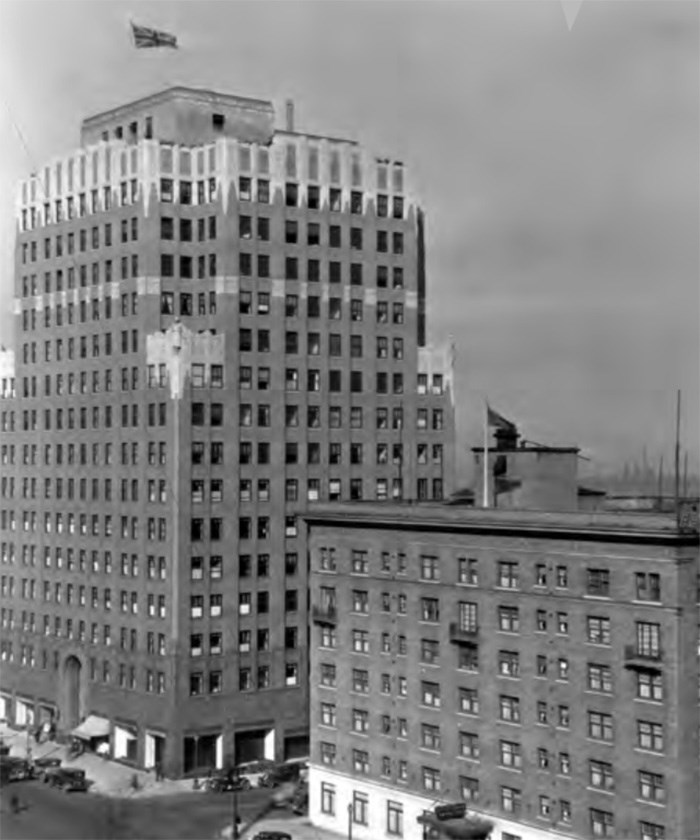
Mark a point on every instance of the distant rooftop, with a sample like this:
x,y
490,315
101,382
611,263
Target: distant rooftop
x,y
182,92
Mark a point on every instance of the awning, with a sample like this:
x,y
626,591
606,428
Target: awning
x,y
92,727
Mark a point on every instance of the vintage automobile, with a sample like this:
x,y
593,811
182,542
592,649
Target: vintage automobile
x,y
255,770
226,782
273,835
291,771
66,779
13,769
42,765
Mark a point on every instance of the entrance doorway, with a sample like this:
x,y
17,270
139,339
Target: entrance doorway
x,y
71,692
155,750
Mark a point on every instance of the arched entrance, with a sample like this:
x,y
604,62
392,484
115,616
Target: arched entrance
x,y
71,692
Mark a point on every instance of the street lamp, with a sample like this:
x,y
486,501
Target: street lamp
x,y
349,820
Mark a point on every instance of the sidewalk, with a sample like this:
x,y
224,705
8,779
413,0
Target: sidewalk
x,y
110,778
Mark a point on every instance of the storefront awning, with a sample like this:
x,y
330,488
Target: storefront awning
x,y
92,727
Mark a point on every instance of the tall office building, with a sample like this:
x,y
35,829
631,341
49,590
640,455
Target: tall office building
x,y
512,674
216,321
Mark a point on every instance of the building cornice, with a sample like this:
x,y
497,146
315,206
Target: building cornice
x,y
584,526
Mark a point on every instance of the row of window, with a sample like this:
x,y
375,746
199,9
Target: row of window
x,y
85,524
129,232
80,631
508,573
213,681
154,682
76,276
649,681
156,414
85,309
204,192
650,734
96,201
602,823
77,560
101,453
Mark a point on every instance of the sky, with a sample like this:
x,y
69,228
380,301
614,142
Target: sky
x,y
559,171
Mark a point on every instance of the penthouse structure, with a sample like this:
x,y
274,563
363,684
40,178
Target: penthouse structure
x,y
502,673
216,321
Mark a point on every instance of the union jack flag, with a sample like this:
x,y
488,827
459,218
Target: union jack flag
x,y
145,37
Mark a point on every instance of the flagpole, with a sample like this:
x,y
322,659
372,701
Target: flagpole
x,y
677,451
486,456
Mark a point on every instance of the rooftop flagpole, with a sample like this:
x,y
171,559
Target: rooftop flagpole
x,y
678,454
486,455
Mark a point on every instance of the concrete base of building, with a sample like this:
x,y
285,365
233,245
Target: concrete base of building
x,y
387,803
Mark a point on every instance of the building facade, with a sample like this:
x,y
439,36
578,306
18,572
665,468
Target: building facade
x,y
216,321
540,667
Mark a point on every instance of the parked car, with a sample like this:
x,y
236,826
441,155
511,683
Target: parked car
x,y
43,765
13,769
67,779
255,770
273,835
226,782
281,773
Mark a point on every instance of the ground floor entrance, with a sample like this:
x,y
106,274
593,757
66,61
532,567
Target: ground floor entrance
x,y
254,745
202,753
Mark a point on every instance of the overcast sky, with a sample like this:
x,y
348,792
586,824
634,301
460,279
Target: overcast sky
x,y
559,172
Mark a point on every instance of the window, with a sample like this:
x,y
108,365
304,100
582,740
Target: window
x,y
602,823
468,571
394,818
648,640
649,686
430,651
600,775
429,568
360,801
511,755
430,694
508,663
650,736
598,582
648,586
600,726
431,779
598,630
651,831
469,701
600,678
511,800
509,708
508,619
508,575
328,798
360,681
651,786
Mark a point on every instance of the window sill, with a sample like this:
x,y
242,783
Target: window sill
x,y
600,790
650,802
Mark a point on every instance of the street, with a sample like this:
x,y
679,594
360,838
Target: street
x,y
53,815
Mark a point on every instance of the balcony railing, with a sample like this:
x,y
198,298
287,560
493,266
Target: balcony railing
x,y
644,660
463,636
324,615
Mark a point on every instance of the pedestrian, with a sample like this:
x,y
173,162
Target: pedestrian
x,y
14,804
159,772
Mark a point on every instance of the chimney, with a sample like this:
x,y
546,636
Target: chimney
x,y
290,115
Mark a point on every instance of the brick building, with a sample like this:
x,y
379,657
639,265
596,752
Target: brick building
x,y
216,321
540,667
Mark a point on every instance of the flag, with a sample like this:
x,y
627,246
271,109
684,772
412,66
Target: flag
x,y
145,37
493,418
